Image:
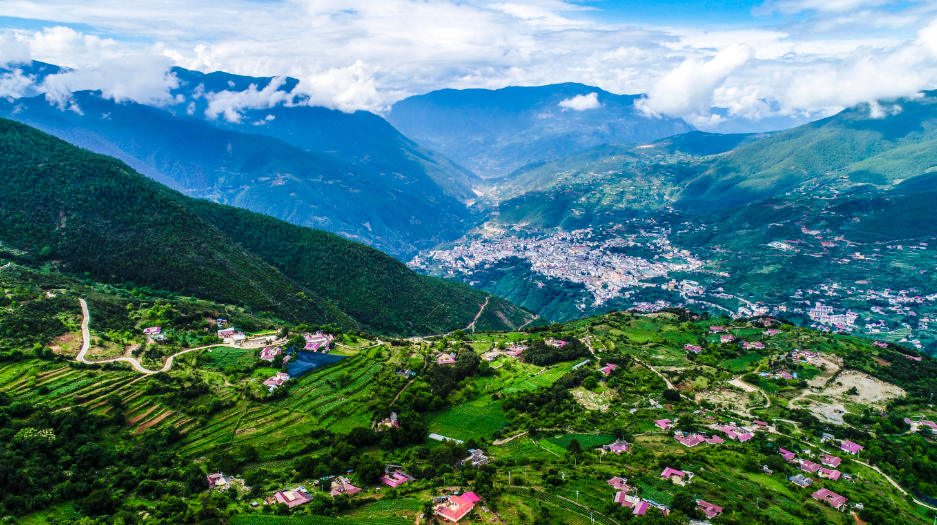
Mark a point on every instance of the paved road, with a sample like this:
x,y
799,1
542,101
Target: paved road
x,y
86,345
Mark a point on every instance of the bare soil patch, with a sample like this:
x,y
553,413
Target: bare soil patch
x,y
881,361
142,428
871,391
136,419
592,400
66,344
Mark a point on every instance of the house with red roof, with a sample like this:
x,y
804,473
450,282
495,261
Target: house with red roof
x,y
830,474
446,359
716,329
609,368
617,447
784,374
292,498
787,455
153,330
664,424
913,357
693,348
394,480
927,423
770,332
455,509
619,484
756,345
556,343
678,477
710,510
216,480
515,350
760,423
725,338
471,496
342,485
830,461
809,466
267,354
226,332
851,448
741,437
835,500
277,380
637,505
689,440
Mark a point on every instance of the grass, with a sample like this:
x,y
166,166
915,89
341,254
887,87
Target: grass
x,y
263,519
586,441
473,419
742,363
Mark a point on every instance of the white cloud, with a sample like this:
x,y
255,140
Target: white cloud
x,y
877,111
14,84
688,89
582,102
230,103
367,54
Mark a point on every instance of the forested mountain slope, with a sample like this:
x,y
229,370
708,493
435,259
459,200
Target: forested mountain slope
x,y
494,132
93,215
352,174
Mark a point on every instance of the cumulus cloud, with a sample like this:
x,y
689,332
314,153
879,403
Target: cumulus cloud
x,y
816,57
688,89
230,103
582,102
15,84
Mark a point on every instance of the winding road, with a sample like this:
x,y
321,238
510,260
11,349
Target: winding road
x,y
86,345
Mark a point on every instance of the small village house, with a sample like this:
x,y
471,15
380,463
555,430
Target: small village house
x,y
851,448
835,500
456,508
710,510
293,498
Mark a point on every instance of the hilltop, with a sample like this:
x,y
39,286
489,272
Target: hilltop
x,y
88,214
754,402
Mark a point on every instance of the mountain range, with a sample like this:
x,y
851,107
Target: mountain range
x,y
92,215
494,132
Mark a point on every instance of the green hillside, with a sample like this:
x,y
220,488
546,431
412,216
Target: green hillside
x,y
91,215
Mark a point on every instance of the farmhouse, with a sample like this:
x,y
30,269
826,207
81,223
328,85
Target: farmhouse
x,y
737,433
556,343
830,461
216,480
267,354
787,455
677,477
835,500
455,509
637,505
446,359
851,448
830,474
693,348
617,447
725,338
292,498
515,350
476,458
753,346
664,424
277,380
316,341
227,332
153,330
619,484
801,481
394,480
809,466
609,368
716,329
710,510
389,422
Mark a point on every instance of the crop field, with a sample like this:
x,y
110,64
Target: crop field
x,y
281,426
586,441
386,509
223,356
574,513
263,519
742,363
522,447
474,419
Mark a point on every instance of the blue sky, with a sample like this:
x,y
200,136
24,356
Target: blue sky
x,y
766,64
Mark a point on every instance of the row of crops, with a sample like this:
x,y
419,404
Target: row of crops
x,y
261,519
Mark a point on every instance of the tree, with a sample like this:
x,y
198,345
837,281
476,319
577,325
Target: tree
x,y
574,447
590,383
684,502
369,469
672,395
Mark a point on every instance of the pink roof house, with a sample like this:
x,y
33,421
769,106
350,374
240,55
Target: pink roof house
x,y
678,477
471,496
783,374
640,509
664,424
716,329
880,344
515,350
619,484
617,447
267,354
930,424
216,480
693,348
831,461
689,441
292,498
557,343
851,448
395,480
446,359
227,332
346,488
715,440
153,330
835,500
809,466
914,357
277,380
741,437
787,455
770,332
710,510
750,346
830,474
760,423
455,509
726,338
609,368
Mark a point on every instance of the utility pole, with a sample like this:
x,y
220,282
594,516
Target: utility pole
x,y
577,497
